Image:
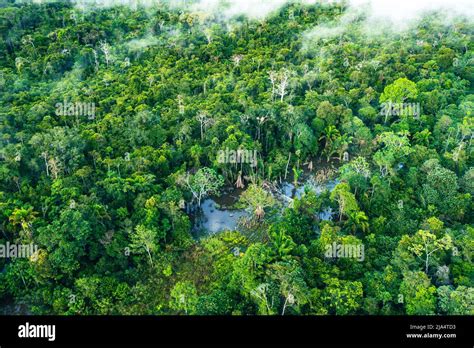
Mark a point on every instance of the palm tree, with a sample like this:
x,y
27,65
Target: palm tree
x,y
330,134
256,200
423,137
24,218
342,144
358,220
282,243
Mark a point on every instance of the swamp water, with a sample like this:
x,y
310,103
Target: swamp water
x,y
217,214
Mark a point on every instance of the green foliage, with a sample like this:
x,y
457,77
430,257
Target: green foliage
x,y
400,91
418,294
184,297
111,196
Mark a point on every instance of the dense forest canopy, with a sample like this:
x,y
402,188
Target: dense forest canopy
x,y
115,120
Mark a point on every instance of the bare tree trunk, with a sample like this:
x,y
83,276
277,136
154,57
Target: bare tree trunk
x,y
149,255
284,306
287,164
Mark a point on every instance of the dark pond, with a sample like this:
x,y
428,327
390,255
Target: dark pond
x,y
216,213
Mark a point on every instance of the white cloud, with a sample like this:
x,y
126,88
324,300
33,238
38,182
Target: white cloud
x,y
401,11
381,16
140,44
229,8
398,12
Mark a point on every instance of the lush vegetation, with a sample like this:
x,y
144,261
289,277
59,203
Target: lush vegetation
x,y
103,195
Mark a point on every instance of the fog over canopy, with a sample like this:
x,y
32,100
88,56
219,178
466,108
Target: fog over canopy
x,y
399,12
